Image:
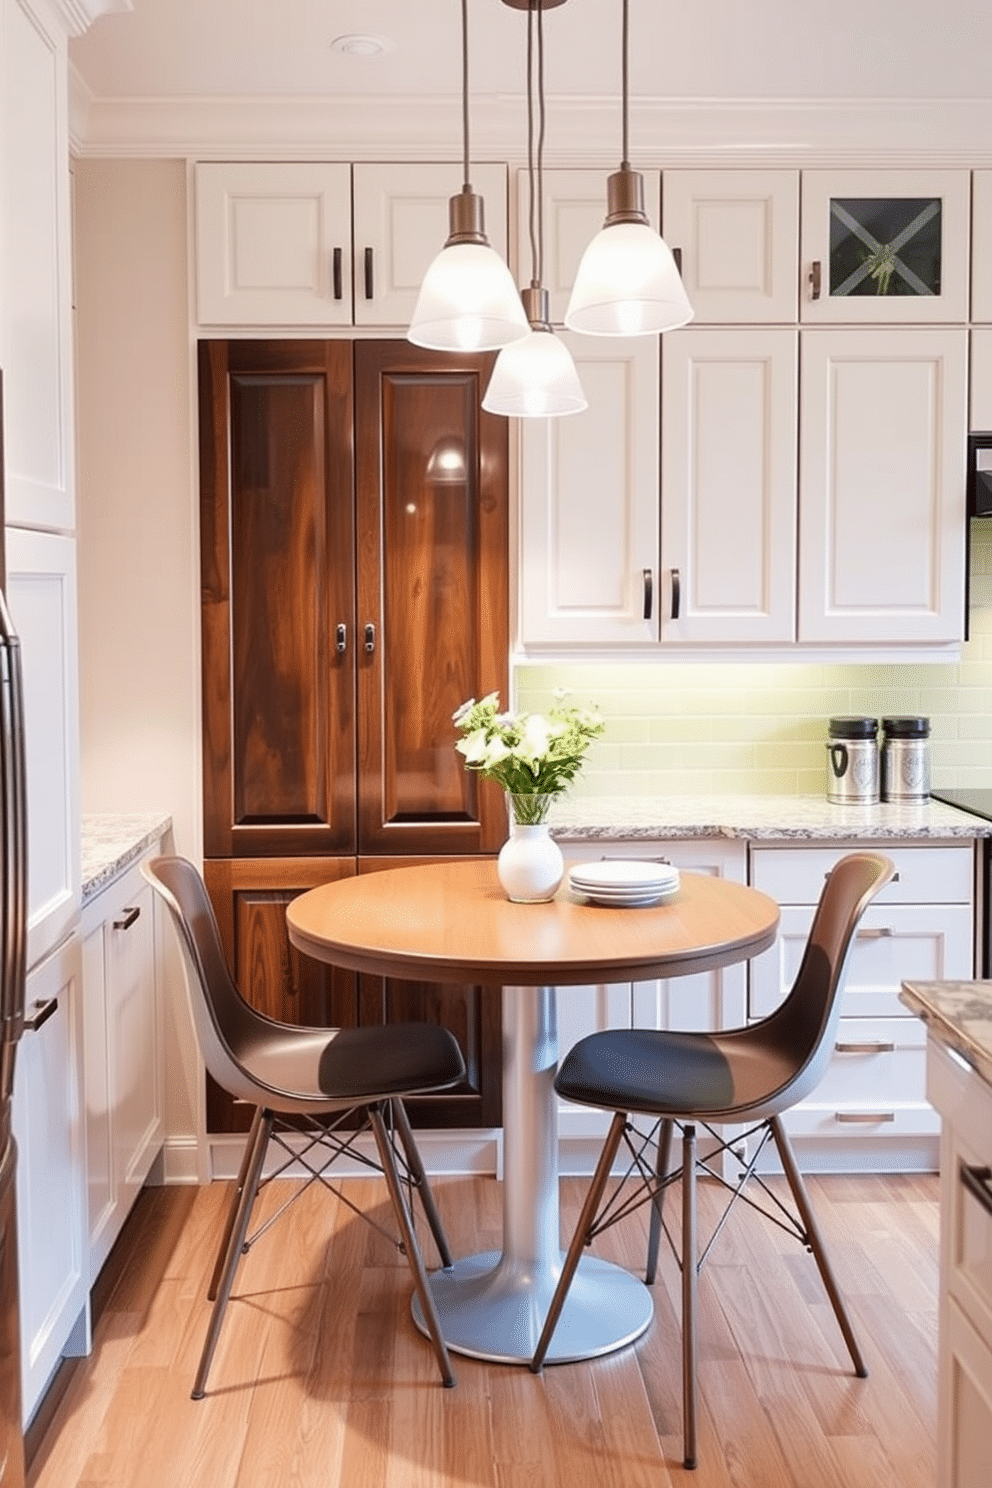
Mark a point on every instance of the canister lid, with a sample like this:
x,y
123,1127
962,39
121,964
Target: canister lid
x,y
906,728
853,728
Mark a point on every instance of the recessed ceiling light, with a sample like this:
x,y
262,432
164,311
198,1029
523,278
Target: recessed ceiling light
x,y
361,46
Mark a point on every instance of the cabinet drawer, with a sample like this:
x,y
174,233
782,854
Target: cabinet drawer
x,y
926,875
883,1059
893,943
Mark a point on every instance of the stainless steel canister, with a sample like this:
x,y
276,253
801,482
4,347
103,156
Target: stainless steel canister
x,y
852,760
905,759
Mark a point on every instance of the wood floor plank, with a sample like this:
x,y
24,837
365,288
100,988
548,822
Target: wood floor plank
x,y
321,1378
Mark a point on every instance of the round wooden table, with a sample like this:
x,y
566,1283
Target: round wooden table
x,y
452,922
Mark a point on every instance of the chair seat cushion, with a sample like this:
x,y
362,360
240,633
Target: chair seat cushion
x,y
643,1069
313,1069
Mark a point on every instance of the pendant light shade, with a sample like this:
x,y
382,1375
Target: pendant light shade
x,y
535,377
468,300
628,283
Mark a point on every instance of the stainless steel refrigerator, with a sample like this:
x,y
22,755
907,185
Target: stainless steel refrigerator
x,y
13,950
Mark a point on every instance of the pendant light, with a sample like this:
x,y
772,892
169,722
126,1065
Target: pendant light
x,y
535,377
468,300
628,283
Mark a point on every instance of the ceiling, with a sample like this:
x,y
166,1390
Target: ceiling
x,y
703,49
157,54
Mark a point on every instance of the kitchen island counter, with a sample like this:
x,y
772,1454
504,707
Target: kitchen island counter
x,y
958,1015
760,818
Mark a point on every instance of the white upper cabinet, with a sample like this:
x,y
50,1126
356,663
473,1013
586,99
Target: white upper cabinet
x,y
35,278
728,485
573,208
736,233
981,378
589,504
882,485
885,247
277,242
981,248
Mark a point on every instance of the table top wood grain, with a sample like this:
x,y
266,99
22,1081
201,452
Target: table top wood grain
x,y
452,922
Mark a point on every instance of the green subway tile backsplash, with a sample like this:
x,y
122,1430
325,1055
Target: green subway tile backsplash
x,y
702,727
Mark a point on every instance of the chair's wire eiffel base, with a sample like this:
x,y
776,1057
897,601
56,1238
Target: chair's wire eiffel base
x,y
324,1141
644,1181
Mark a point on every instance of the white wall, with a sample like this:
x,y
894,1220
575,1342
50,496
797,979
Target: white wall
x,y
138,586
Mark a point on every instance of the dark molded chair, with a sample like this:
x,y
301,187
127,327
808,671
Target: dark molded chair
x,y
305,1084
746,1076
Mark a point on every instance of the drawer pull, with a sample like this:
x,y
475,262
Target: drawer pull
x,y
978,1182
872,933
337,286
868,1118
879,1048
341,639
40,1013
128,918
648,578
815,279
369,275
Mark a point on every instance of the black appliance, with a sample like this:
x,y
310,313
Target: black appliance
x,y
13,951
979,803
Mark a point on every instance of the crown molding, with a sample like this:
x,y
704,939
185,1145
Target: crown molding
x,y
693,131
79,15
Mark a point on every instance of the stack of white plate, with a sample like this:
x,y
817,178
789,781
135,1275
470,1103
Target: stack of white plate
x,y
625,882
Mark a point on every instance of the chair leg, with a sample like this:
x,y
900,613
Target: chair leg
x,y
233,1207
416,1166
815,1241
235,1246
586,1220
413,1255
690,1276
660,1173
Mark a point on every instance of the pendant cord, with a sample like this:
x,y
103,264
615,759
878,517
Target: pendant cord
x,y
625,162
465,151
540,142
531,216
535,196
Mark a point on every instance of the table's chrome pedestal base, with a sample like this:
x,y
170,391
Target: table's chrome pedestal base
x,y
491,1309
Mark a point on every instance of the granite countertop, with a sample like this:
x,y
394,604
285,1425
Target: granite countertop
x,y
957,1014
112,841
760,818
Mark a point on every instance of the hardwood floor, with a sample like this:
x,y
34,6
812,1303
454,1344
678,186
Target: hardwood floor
x,y
320,1377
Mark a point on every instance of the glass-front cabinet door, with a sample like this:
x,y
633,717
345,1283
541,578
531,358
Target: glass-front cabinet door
x,y
884,246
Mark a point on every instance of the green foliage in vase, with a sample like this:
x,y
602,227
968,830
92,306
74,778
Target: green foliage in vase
x,y
528,754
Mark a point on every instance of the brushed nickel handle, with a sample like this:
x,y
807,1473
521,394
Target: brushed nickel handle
x,y
815,279
338,288
341,639
880,932
128,918
370,638
648,578
369,276
868,1048
676,593
867,1118
40,1013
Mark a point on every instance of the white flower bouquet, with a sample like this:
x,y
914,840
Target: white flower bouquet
x,y
532,756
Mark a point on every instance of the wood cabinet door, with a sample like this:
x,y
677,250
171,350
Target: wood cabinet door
x,y
277,577
431,482
249,900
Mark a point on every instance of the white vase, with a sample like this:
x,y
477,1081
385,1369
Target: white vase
x,y
530,865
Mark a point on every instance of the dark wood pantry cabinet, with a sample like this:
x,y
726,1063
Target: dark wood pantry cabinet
x,y
353,538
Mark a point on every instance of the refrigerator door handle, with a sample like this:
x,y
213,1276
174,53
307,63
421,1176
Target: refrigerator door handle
x,y
13,912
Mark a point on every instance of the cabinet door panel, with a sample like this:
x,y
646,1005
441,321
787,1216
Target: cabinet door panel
x,y
981,250
589,517
729,414
266,238
739,236
432,535
882,485
249,900
277,534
